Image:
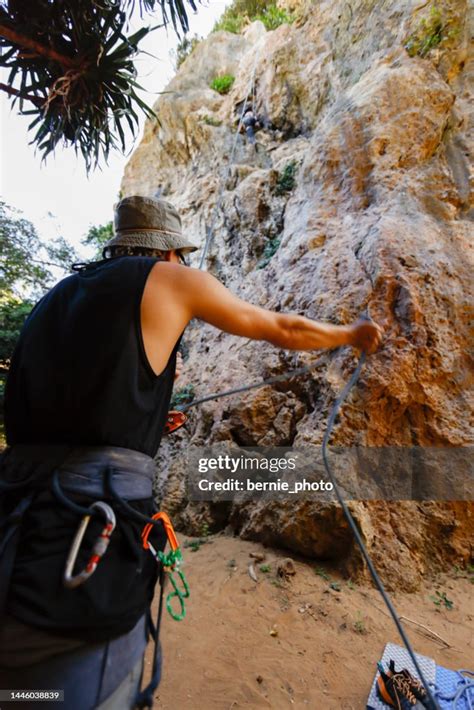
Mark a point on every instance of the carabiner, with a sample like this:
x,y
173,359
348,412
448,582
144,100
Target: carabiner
x,y
171,564
170,533
100,546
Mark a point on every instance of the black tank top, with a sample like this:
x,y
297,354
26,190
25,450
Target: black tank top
x,y
80,374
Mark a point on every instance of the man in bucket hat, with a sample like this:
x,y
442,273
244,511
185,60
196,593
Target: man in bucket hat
x,y
86,404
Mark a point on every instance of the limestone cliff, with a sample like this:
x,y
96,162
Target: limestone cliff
x,y
379,217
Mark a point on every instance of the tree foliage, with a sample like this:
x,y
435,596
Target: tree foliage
x,y
71,67
19,243
237,15
184,48
13,313
25,263
25,273
98,236
286,180
274,16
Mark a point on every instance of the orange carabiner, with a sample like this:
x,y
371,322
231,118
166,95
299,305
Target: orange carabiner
x,y
170,533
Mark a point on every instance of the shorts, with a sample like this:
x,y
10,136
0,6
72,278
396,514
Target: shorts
x,y
102,676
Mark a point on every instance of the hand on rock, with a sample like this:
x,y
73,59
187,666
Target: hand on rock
x,y
366,335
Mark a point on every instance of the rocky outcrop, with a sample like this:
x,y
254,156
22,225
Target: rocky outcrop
x,y
379,217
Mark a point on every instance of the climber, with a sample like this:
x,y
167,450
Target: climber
x,y
250,123
86,402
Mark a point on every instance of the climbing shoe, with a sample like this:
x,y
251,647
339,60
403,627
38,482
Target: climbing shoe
x,y
416,687
394,690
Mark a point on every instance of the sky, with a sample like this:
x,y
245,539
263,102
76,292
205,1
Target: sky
x,y
58,197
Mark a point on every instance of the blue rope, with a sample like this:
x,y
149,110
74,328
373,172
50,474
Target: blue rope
x,y
463,691
433,705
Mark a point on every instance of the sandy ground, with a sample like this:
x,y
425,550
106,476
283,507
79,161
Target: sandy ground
x,y
295,643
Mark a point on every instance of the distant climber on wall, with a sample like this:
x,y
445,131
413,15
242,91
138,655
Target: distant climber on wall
x,y
87,400
250,123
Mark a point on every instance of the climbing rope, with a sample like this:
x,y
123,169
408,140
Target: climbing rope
x,y
245,388
331,421
464,690
352,524
332,418
465,684
218,205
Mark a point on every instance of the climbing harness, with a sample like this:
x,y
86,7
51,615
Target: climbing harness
x,y
66,501
71,581
171,564
87,473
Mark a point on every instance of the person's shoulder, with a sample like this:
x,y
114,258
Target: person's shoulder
x,y
63,284
170,269
167,273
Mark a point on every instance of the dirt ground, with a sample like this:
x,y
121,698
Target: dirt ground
x,y
296,642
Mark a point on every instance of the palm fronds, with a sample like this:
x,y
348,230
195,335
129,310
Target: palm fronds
x,y
71,67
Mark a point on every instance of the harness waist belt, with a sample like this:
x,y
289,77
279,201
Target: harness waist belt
x,y
81,468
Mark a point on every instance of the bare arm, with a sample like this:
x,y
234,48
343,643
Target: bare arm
x,y
216,305
197,294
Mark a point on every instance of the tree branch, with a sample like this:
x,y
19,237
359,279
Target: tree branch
x,y
43,262
28,97
28,43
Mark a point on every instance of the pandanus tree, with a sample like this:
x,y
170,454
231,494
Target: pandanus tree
x,y
69,65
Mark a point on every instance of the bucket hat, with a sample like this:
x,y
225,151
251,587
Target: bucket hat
x,y
149,223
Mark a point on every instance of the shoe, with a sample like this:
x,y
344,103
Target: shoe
x,y
416,687
394,690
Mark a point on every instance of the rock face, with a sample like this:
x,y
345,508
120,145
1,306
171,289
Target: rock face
x,y
379,217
